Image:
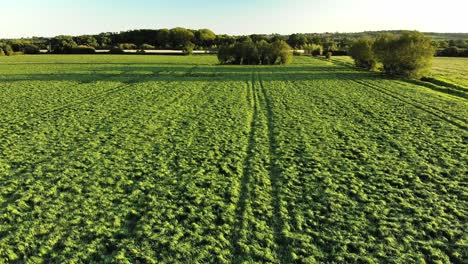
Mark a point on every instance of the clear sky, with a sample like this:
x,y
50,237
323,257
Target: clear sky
x,y
26,18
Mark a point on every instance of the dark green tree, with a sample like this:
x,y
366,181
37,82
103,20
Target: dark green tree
x,y
181,36
362,53
409,54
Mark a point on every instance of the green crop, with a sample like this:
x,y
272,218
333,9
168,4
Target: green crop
x,y
153,159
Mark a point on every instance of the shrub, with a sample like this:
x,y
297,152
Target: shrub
x,y
7,50
116,50
82,50
328,55
313,49
188,48
31,49
450,52
464,53
146,47
361,52
127,46
2,53
408,55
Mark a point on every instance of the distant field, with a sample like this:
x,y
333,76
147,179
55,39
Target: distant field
x,y
167,159
450,70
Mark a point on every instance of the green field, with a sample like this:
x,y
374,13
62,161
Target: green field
x,y
166,159
451,70
446,71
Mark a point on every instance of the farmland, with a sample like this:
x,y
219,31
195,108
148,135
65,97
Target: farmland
x,y
445,71
163,159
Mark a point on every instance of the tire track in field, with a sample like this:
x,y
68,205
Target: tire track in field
x,y
414,100
421,106
245,191
282,241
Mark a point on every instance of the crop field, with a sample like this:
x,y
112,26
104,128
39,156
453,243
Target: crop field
x,y
167,159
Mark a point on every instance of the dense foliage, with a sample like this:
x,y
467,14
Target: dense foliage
x,y
447,44
362,53
249,53
166,159
409,54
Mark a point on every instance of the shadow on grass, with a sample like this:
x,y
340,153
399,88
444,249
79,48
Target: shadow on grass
x,y
189,73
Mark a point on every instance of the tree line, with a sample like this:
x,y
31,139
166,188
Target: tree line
x,y
205,39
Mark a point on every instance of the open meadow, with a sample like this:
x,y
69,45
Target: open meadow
x,y
166,159
445,70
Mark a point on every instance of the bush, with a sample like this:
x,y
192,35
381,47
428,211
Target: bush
x,y
328,55
31,49
313,49
7,50
146,47
2,53
408,55
127,46
361,52
116,50
450,52
464,53
82,50
188,48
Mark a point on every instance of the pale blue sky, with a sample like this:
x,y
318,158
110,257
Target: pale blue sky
x,y
25,18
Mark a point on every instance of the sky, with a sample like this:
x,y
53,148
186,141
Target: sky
x,y
48,18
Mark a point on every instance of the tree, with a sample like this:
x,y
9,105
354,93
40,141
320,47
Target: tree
x,y
181,36
283,52
62,44
163,38
408,55
313,49
7,49
31,49
205,38
297,40
188,48
86,40
104,40
250,53
2,53
264,52
361,52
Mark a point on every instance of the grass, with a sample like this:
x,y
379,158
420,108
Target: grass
x,y
165,159
451,70
445,71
